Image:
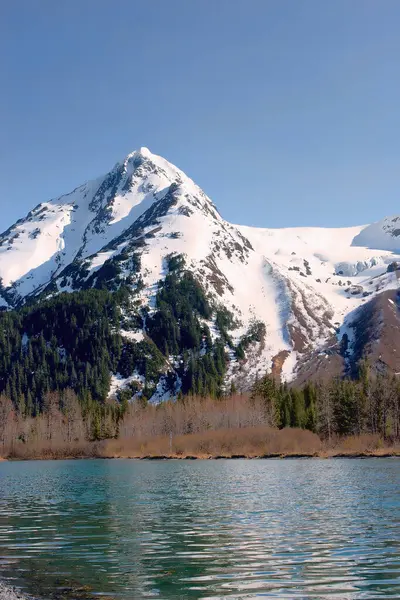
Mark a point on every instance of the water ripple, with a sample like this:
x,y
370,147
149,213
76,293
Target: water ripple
x,y
211,530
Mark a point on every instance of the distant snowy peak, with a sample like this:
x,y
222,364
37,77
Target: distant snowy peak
x,y
382,235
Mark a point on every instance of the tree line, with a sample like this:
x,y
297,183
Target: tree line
x,y
330,411
339,407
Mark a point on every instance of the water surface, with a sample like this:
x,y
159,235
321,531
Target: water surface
x,y
203,529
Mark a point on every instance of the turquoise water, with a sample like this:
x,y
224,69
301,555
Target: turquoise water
x,y
203,529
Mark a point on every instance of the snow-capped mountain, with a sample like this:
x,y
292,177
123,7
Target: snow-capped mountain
x,y
308,286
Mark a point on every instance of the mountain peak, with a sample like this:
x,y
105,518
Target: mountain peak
x,y
37,248
302,284
142,151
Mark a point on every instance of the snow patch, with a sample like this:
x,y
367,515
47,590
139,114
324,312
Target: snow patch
x,y
134,336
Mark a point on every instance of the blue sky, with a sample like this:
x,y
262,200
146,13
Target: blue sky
x,y
286,112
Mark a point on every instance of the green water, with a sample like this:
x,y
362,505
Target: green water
x,y
202,529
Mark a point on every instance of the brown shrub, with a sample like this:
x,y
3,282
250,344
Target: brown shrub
x,y
249,441
42,449
366,442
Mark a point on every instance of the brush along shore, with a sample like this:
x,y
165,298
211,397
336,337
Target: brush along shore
x,y
247,442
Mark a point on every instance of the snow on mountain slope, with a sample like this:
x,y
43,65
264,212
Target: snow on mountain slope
x,y
331,271
325,259
384,234
302,283
79,224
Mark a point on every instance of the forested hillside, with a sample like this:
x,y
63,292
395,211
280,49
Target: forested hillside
x,y
76,341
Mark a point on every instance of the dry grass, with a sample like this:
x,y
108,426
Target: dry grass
x,y
366,444
249,442
54,451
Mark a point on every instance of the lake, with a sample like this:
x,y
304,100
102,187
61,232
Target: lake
x,y
202,529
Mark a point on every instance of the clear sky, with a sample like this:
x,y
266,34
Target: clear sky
x,y
286,112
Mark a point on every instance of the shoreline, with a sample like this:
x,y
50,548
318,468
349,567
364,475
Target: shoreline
x,y
271,456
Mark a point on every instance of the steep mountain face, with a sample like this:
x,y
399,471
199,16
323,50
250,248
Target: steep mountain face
x,y
286,300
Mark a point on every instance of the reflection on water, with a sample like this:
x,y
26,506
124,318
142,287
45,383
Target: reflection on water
x,y
209,529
